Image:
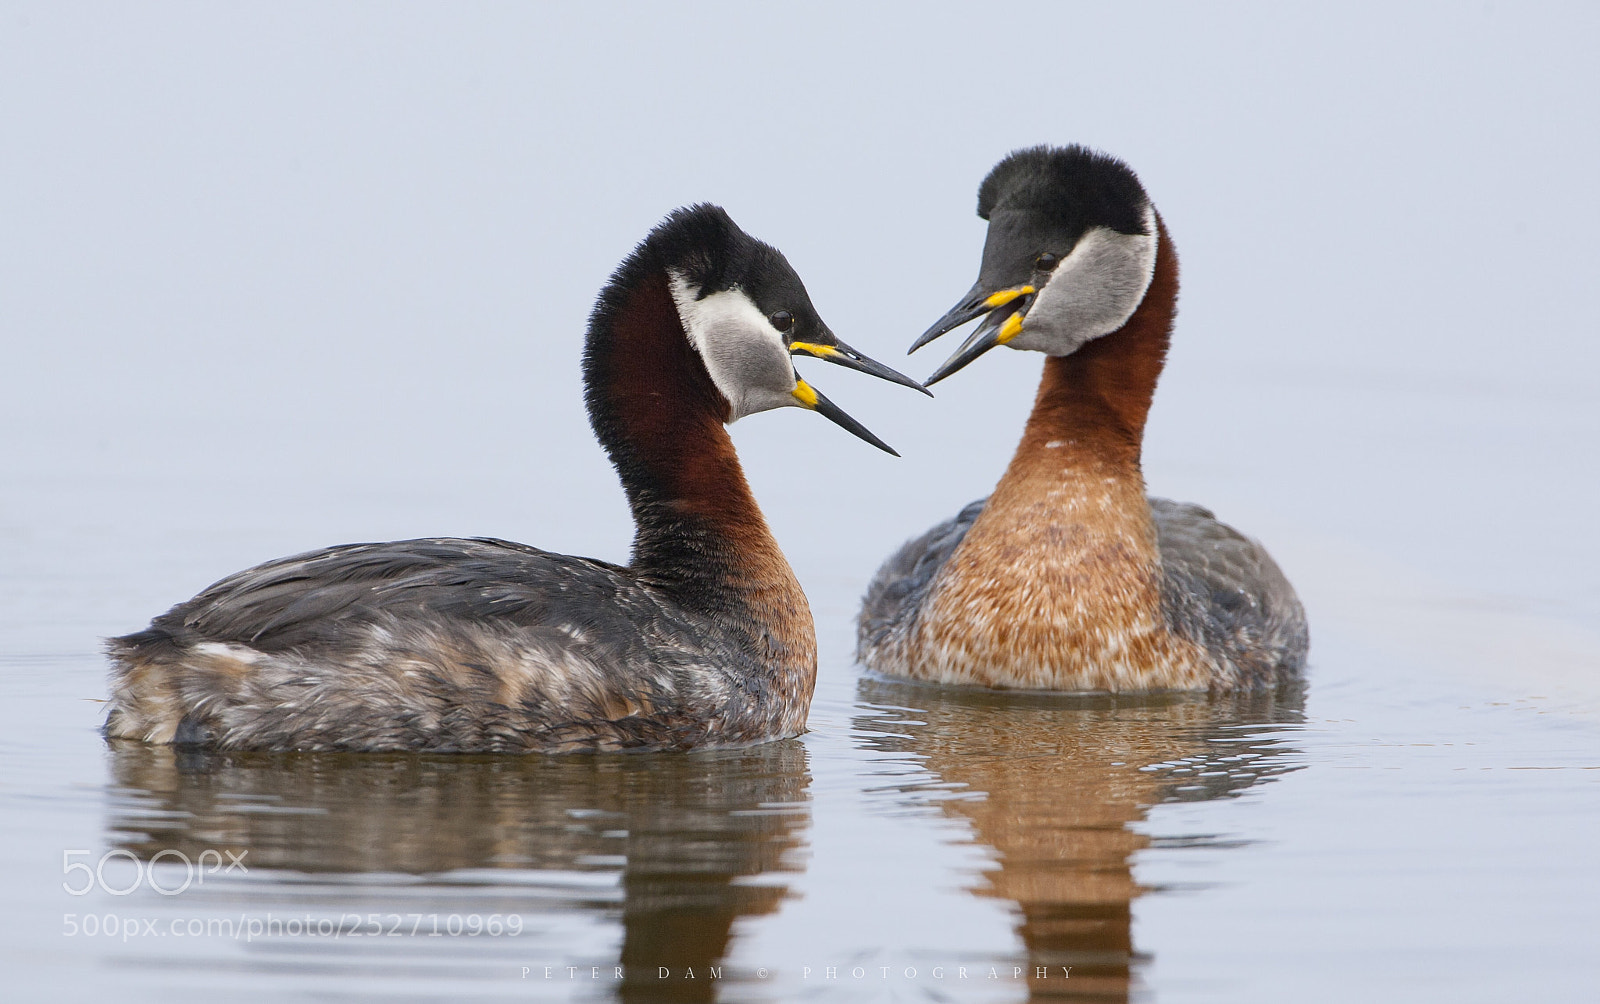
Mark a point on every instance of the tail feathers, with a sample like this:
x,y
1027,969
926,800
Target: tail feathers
x,y
153,643
146,703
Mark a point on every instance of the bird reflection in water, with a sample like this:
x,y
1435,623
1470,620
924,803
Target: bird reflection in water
x,y
1055,784
687,833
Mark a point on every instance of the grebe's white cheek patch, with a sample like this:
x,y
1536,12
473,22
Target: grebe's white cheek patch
x,y
742,351
1092,292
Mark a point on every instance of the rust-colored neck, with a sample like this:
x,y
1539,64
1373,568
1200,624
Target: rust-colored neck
x,y
1058,582
700,538
1094,402
661,419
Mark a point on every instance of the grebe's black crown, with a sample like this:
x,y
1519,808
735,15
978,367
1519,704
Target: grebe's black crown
x,y
1072,187
703,245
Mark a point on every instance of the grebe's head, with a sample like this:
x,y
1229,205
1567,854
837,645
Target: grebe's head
x,y
1069,256
747,314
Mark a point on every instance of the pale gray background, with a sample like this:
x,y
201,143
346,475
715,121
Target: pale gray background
x,y
279,276
326,268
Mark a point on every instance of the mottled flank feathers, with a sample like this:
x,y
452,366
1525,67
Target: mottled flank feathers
x,y
1224,591
441,645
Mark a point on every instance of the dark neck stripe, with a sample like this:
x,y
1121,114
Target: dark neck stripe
x,y
661,420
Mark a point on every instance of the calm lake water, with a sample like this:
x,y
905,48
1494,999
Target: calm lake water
x,y
1394,830
279,277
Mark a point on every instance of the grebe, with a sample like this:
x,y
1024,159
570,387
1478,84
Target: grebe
x,y
1067,577
705,640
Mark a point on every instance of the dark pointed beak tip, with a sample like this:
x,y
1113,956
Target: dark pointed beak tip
x,y
924,338
885,447
950,367
833,413
981,341
852,359
973,306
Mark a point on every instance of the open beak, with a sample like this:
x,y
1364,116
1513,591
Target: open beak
x,y
1005,308
844,355
808,397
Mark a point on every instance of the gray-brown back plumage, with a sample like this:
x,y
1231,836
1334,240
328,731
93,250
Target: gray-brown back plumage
x,y
443,645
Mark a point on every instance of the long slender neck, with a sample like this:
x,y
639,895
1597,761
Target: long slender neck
x,y
1058,582
699,532
1091,406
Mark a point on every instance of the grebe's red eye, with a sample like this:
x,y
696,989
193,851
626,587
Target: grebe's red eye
x,y
1046,262
782,320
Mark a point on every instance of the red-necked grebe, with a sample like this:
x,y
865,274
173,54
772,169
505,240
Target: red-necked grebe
x,y
704,640
1067,577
